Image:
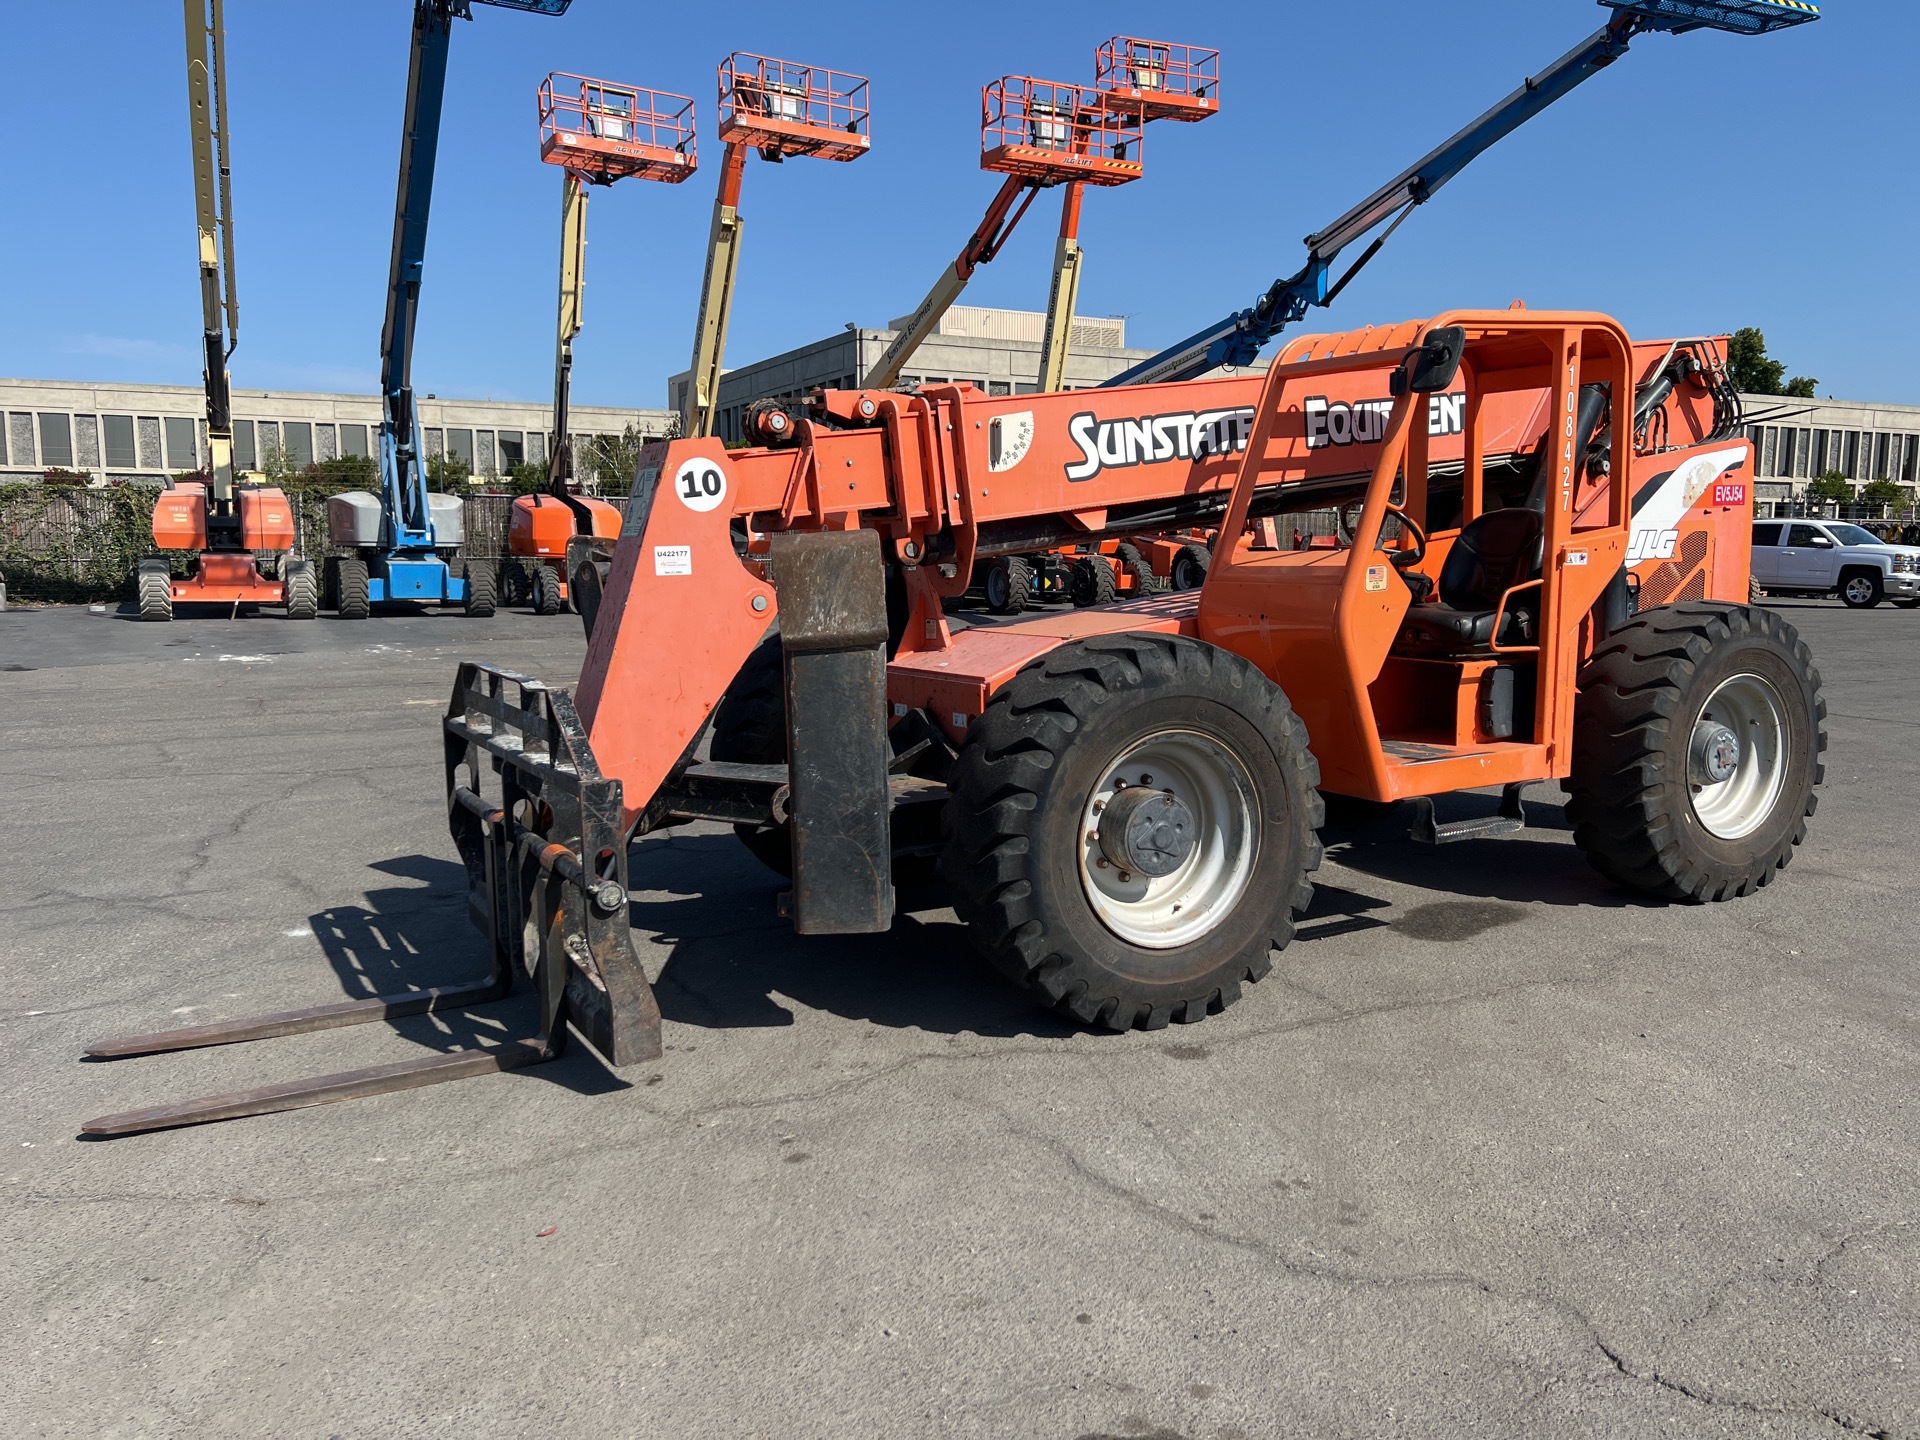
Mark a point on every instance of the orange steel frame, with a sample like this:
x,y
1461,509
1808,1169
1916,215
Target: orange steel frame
x,y
1158,79
793,109
224,576
683,608
660,141
1048,131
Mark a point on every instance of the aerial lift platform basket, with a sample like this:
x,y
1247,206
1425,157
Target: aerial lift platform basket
x,y
1158,79
597,132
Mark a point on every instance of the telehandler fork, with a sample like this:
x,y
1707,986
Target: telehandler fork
x,y
1125,798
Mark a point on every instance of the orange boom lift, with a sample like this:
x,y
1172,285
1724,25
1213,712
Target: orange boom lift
x,y
223,523
597,133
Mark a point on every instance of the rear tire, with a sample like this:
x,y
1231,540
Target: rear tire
x,y
302,590
1644,806
155,590
515,588
1092,582
482,592
1008,584
1041,765
546,590
1861,589
1190,566
351,602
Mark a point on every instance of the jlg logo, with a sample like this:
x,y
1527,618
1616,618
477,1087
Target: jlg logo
x,y
1652,545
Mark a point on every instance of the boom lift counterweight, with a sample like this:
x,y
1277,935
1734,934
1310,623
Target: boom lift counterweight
x,y
402,540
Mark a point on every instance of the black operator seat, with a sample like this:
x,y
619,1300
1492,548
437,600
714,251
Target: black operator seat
x,y
1498,550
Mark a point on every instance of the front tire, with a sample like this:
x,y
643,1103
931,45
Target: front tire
x,y
1216,819
1008,584
1190,567
482,594
1661,801
1092,582
155,591
1861,589
350,578
302,590
546,591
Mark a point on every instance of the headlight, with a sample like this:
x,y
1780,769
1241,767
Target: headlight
x,y
1906,564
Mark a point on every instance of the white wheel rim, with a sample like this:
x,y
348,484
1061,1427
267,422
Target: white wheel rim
x,y
1752,709
1175,909
1858,590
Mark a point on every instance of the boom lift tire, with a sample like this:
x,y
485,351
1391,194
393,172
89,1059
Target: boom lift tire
x,y
1144,580
350,588
302,590
482,589
1127,553
515,588
1653,702
1190,566
1046,902
1008,584
1861,589
156,590
546,590
1092,582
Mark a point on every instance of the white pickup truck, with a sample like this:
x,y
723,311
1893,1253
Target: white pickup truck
x,y
1830,557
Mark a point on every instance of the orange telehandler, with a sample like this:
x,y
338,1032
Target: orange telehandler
x,y
1545,579
1124,800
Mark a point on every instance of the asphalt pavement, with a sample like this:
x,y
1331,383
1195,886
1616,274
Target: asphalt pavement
x,y
1496,1151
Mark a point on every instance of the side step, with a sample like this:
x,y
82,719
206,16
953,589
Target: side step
x,y
1512,817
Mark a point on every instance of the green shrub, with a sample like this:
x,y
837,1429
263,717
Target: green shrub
x,y
1832,485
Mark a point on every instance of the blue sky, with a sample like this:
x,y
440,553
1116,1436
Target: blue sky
x,y
1705,183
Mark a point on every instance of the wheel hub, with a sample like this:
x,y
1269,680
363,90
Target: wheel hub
x,y
1716,753
1148,831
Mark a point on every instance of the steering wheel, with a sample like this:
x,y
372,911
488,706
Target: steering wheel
x,y
1348,515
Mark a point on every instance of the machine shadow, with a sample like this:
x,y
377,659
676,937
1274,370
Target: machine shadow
x,y
1523,868
732,956
413,936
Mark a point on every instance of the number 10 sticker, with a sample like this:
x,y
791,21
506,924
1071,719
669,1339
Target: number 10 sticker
x,y
701,484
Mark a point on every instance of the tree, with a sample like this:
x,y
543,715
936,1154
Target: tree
x,y
610,460
527,478
1830,485
1884,492
447,474
1754,372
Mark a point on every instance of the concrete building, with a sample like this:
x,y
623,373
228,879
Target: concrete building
x,y
998,350
145,432
1796,440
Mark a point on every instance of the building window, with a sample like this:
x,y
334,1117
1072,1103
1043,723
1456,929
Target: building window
x,y
513,450
353,440
20,438
488,461
436,443
1908,467
460,447
1023,388
56,441
323,442
1852,464
118,434
999,387
244,455
182,451
1820,452
1879,454
296,438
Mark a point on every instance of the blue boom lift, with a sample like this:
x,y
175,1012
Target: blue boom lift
x,y
401,539
1237,339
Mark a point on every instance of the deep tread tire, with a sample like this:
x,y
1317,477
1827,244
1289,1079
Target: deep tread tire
x,y
1190,566
482,589
1092,582
302,590
1861,589
515,587
1144,580
155,590
1640,697
1008,584
546,590
1017,791
350,599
